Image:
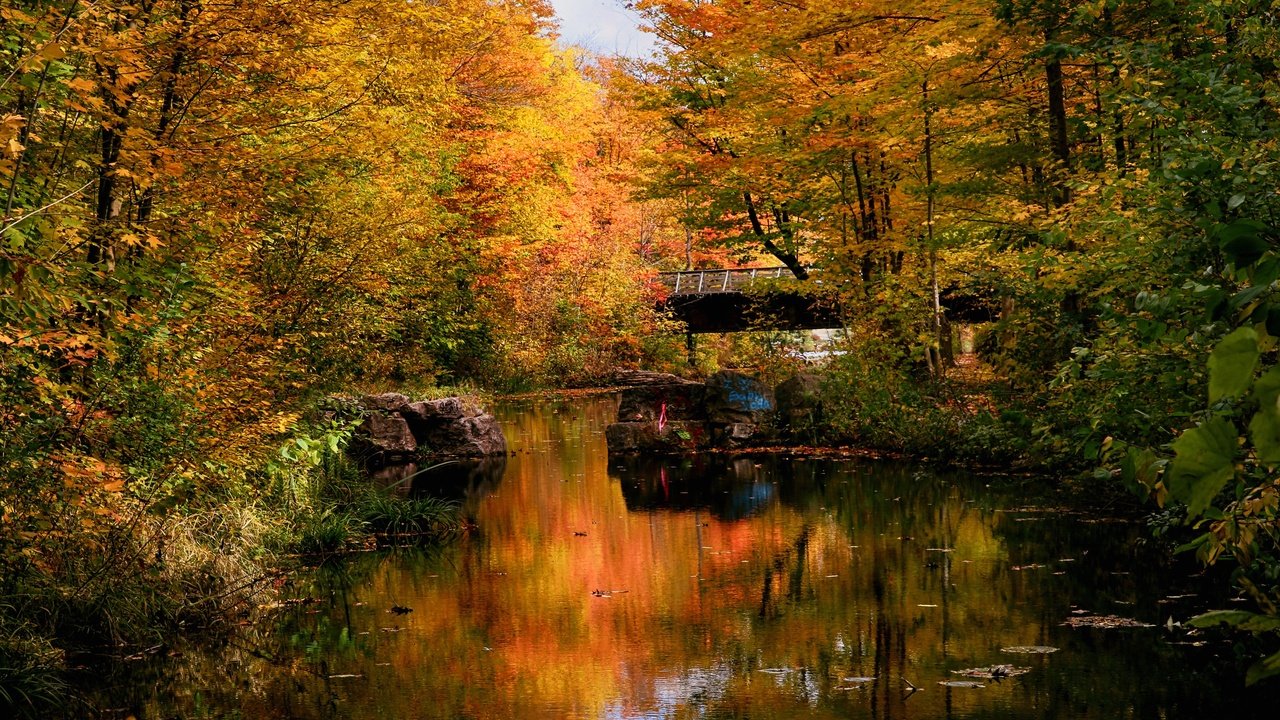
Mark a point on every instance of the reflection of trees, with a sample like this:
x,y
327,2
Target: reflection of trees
x,y
813,570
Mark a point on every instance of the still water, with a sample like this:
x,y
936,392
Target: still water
x,y
717,588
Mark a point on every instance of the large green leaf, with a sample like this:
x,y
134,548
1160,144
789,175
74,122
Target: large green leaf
x,y
1267,390
1204,463
1264,429
1241,619
1263,669
1231,364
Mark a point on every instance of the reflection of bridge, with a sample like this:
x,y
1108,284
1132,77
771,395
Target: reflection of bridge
x,y
739,299
742,299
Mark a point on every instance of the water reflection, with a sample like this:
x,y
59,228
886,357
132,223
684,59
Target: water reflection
x,y
711,587
463,480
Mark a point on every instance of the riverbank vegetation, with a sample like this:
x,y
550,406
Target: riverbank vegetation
x,y
216,213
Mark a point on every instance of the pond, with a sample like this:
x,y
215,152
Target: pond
x,y
716,587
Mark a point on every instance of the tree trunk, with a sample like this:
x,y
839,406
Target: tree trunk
x,y
786,258
1058,140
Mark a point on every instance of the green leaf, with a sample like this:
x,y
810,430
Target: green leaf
x,y
1264,430
1242,241
1267,390
1264,668
1231,364
1203,465
1242,619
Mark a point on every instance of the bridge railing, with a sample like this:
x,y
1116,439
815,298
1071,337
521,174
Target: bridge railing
x,y
723,280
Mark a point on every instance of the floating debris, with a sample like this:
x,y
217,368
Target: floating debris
x,y
579,534
1030,649
961,683
939,549
400,610
776,671
1032,566
925,606
859,680
1105,621
995,672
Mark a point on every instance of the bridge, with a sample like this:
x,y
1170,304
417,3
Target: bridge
x,y
742,299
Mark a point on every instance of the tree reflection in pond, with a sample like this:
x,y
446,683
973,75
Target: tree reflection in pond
x,y
712,587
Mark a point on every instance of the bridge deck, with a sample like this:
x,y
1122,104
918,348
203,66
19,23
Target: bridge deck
x,y
722,280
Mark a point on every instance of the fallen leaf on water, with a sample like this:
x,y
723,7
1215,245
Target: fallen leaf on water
x,y
961,684
1030,649
995,672
1105,621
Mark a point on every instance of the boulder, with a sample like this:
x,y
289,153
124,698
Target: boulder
x,y
427,415
473,436
386,436
799,400
637,378
393,427
735,435
384,403
647,437
682,400
733,398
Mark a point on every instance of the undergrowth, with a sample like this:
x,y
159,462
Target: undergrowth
x,y
139,561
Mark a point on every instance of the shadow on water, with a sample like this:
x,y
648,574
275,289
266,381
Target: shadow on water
x,y
463,480
712,587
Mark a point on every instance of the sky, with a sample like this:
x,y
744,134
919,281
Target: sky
x,y
602,26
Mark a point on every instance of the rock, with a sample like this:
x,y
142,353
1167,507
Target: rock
x,y
733,398
638,378
646,437
387,436
393,427
735,435
799,401
474,436
384,403
427,415
682,399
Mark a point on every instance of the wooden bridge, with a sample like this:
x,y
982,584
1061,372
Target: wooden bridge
x,y
741,299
